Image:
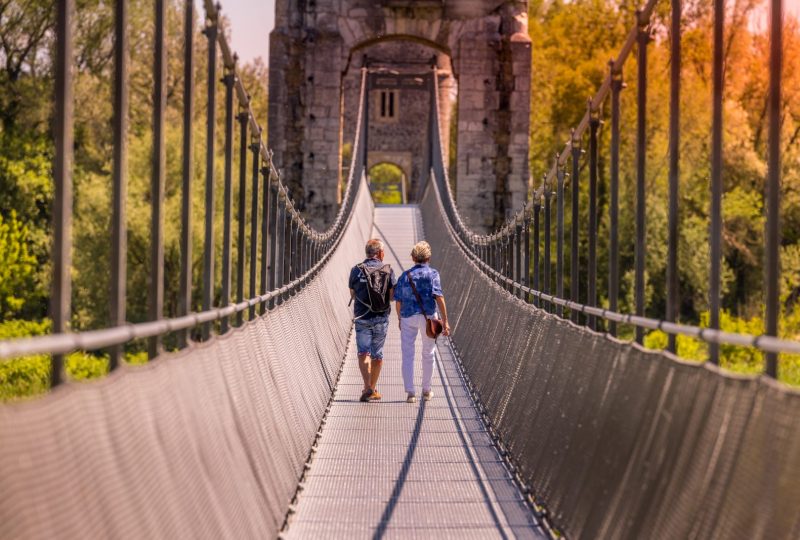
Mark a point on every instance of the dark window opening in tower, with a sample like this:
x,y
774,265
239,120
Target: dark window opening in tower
x,y
388,104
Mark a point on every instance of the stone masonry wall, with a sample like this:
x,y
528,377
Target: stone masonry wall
x,y
481,47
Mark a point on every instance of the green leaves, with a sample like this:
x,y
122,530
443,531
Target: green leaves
x,y
17,266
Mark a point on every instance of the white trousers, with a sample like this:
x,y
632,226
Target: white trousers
x,y
409,328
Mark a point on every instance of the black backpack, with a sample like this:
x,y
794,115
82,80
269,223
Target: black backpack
x,y
379,280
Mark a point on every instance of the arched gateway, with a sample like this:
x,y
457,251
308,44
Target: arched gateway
x,y
482,54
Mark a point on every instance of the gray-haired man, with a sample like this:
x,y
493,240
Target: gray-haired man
x,y
371,285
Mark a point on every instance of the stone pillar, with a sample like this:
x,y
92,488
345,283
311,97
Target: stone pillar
x,y
520,103
323,130
305,108
477,106
287,88
493,67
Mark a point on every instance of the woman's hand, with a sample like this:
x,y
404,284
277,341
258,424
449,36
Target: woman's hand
x,y
446,330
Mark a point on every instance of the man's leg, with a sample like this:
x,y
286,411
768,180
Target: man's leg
x,y
363,343
363,366
375,372
379,330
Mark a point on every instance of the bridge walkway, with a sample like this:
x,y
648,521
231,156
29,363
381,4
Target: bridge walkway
x,y
392,469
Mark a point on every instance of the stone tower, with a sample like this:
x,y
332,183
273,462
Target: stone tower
x,y
482,55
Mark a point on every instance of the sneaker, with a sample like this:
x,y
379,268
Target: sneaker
x,y
366,394
411,398
427,395
375,396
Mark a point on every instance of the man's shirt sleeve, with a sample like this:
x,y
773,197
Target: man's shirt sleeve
x,y
436,284
353,277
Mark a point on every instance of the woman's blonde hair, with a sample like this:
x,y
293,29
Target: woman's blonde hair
x,y
421,252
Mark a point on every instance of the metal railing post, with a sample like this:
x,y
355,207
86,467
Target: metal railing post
x,y
119,239
255,146
547,267
526,253
773,184
673,301
242,213
225,300
265,196
286,272
281,246
715,210
185,296
591,269
290,248
641,171
560,238
210,32
574,263
537,206
156,293
60,302
273,237
518,255
613,197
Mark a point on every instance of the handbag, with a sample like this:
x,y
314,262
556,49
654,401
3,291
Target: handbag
x,y
433,326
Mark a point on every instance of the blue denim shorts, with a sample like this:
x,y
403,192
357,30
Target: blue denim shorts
x,y
370,336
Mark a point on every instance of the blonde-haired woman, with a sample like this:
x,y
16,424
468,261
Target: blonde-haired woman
x,y
412,317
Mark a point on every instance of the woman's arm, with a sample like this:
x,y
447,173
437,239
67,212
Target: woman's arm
x,y
443,311
398,304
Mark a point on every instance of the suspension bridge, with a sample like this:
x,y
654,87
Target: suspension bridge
x,y
543,422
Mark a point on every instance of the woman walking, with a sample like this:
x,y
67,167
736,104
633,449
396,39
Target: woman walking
x,y
412,317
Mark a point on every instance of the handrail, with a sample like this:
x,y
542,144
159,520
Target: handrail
x,y
763,342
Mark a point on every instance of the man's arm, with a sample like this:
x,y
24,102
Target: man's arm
x,y
443,311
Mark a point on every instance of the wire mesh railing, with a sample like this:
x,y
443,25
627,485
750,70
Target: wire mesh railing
x,y
518,256
290,252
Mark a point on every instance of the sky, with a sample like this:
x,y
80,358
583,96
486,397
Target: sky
x,y
253,20
251,23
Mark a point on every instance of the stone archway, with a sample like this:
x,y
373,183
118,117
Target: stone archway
x,y
402,160
487,50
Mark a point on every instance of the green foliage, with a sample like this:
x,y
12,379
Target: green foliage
x,y
737,359
17,266
83,366
386,183
30,375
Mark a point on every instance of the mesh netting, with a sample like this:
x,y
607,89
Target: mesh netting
x,y
208,442
618,441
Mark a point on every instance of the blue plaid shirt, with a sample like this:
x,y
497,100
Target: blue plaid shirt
x,y
428,286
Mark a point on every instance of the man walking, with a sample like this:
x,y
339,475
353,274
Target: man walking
x,y
371,284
